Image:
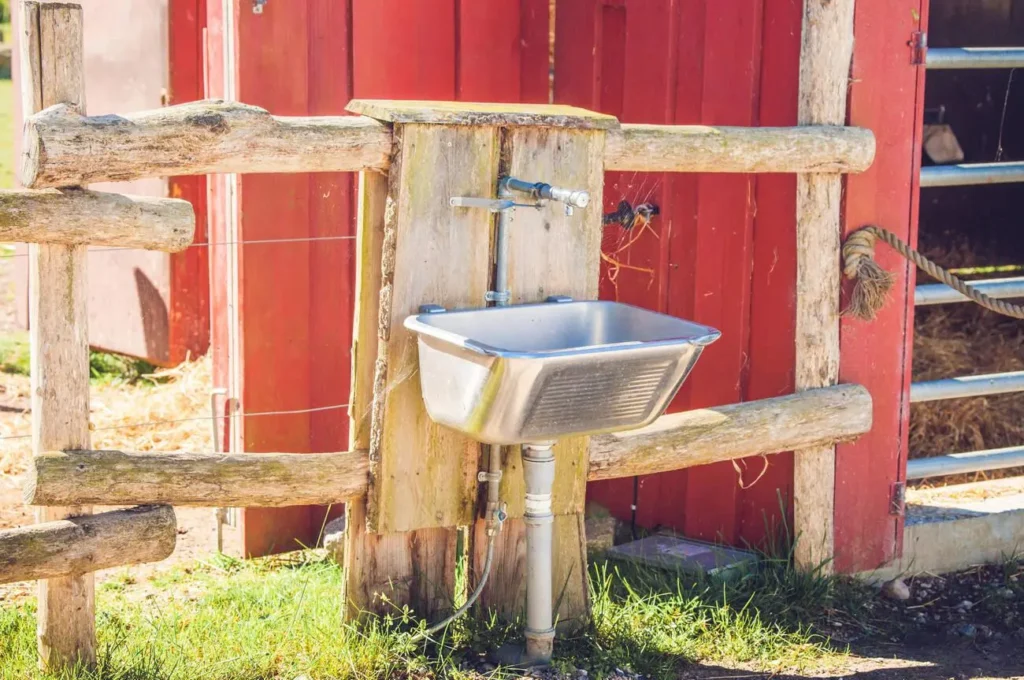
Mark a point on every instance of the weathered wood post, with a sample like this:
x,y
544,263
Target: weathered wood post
x,y
825,55
415,249
52,73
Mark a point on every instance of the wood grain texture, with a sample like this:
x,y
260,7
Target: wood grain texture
x,y
63,147
52,73
82,217
80,545
813,418
550,253
202,479
385,572
826,51
705,148
484,114
373,202
423,475
427,584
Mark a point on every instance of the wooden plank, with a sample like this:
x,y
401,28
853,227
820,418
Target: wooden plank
x,y
83,217
723,259
69,548
681,440
825,54
201,479
370,558
764,508
63,148
422,474
52,73
550,253
721,148
190,270
886,94
472,113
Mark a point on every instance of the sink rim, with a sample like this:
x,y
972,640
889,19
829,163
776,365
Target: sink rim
x,y
417,324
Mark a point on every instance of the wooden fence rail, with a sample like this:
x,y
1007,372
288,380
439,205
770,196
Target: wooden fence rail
x,y
812,418
81,217
64,147
79,545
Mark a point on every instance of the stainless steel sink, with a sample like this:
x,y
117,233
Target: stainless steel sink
x,y
539,372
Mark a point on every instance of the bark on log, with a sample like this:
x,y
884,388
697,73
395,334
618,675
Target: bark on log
x,y
201,479
81,217
701,148
80,545
679,440
63,147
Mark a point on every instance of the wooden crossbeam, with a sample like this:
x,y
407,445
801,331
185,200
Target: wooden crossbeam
x,y
703,148
818,417
201,479
65,148
80,217
71,547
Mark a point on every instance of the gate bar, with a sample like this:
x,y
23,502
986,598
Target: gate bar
x,y
938,58
971,461
941,294
971,174
967,386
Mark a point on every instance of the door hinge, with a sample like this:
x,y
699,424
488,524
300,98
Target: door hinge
x,y
898,499
918,47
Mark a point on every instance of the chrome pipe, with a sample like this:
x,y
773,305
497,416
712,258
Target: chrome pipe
x,y
941,294
972,461
971,174
967,386
939,58
539,475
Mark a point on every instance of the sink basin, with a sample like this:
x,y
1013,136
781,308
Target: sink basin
x,y
539,372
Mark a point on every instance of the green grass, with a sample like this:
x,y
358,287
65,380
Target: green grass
x,y
228,619
104,368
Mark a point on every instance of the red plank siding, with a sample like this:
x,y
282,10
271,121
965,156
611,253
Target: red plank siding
x,y
886,95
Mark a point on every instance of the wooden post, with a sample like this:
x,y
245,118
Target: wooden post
x,y
423,481
825,54
52,73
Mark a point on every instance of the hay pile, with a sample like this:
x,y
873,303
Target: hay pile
x,y
120,414
964,339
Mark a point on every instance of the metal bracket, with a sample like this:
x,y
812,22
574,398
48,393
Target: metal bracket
x,y
919,47
498,297
484,476
257,6
558,298
898,499
432,309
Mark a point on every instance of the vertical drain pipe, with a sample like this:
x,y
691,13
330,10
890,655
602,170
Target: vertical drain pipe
x,y
539,475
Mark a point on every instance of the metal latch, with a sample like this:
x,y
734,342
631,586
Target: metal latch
x,y
919,47
898,499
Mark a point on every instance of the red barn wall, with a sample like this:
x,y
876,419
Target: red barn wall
x,y
721,252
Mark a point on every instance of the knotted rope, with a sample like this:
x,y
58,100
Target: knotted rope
x,y
872,283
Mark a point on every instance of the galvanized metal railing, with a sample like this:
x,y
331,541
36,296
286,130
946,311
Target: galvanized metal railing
x,y
960,463
941,294
939,58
